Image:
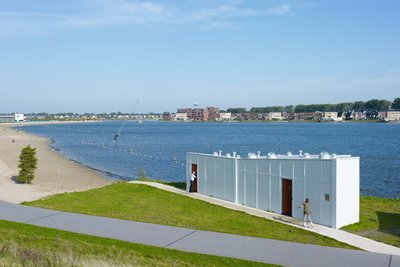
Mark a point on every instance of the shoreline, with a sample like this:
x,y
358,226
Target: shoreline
x,y
55,173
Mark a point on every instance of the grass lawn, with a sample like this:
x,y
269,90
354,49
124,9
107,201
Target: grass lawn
x,y
148,204
28,245
379,220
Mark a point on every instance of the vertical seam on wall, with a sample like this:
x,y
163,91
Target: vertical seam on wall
x,y
257,184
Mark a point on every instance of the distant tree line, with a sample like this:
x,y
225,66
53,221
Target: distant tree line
x,y
371,107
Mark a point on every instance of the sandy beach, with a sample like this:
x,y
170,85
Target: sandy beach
x,y
55,174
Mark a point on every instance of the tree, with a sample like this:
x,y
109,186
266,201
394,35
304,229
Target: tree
x,y
359,106
396,104
27,165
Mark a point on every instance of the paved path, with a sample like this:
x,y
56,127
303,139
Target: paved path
x,y
340,235
249,248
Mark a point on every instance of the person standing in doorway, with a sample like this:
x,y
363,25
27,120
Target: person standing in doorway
x,y
306,212
192,177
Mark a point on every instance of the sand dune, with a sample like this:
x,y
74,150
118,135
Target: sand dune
x,y
55,174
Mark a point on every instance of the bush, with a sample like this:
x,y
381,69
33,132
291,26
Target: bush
x,y
27,165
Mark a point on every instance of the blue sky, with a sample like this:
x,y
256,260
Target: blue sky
x,y
103,55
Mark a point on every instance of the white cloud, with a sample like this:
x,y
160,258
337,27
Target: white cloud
x,y
91,13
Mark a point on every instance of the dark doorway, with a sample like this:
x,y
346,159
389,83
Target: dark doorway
x,y
194,185
287,197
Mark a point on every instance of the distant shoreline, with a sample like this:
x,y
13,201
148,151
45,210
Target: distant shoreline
x,y
55,173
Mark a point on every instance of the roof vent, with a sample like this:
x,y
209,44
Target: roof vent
x,y
289,154
234,154
220,153
215,153
258,154
324,155
271,155
252,156
306,155
228,155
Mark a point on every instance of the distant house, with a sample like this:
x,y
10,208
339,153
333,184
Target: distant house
x,y
330,116
167,116
391,115
17,117
225,116
181,116
357,115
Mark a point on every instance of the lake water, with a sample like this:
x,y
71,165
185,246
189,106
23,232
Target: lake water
x,y
160,147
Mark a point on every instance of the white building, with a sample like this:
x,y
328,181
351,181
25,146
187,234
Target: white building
x,y
274,116
280,183
225,116
330,116
389,115
179,116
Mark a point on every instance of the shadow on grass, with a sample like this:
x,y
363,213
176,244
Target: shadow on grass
x,y
389,223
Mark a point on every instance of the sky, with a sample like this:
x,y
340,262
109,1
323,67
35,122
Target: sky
x,y
104,55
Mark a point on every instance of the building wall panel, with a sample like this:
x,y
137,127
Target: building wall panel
x,y
313,171
219,182
313,192
275,194
298,166
298,198
251,189
241,187
287,168
263,191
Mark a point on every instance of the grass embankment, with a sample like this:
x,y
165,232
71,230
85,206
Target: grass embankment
x,y
379,220
28,245
147,204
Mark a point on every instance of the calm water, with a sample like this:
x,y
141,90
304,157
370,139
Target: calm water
x,y
160,147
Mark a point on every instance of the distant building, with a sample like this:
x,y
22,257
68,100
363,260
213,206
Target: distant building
x,y
389,115
188,112
17,117
302,116
167,116
225,116
273,116
330,116
181,116
357,115
200,114
213,113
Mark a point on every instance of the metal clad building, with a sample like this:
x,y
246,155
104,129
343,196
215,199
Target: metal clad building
x,y
280,183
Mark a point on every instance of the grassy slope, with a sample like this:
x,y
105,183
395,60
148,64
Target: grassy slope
x,y
27,245
148,204
379,220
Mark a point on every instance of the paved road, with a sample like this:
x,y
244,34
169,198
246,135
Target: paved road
x,y
249,248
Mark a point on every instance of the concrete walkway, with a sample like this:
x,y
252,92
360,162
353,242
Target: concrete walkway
x,y
242,247
340,235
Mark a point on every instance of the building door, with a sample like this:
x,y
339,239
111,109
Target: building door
x,y
286,197
194,186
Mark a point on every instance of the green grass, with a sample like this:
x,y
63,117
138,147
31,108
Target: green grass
x,y
379,220
148,204
28,245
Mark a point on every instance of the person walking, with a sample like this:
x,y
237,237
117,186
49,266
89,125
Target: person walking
x,y
192,177
306,212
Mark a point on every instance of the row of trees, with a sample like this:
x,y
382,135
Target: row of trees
x,y
371,107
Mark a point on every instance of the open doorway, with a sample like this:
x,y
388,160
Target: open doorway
x,y
286,197
194,185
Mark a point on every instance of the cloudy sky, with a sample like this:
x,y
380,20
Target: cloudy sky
x,y
103,55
